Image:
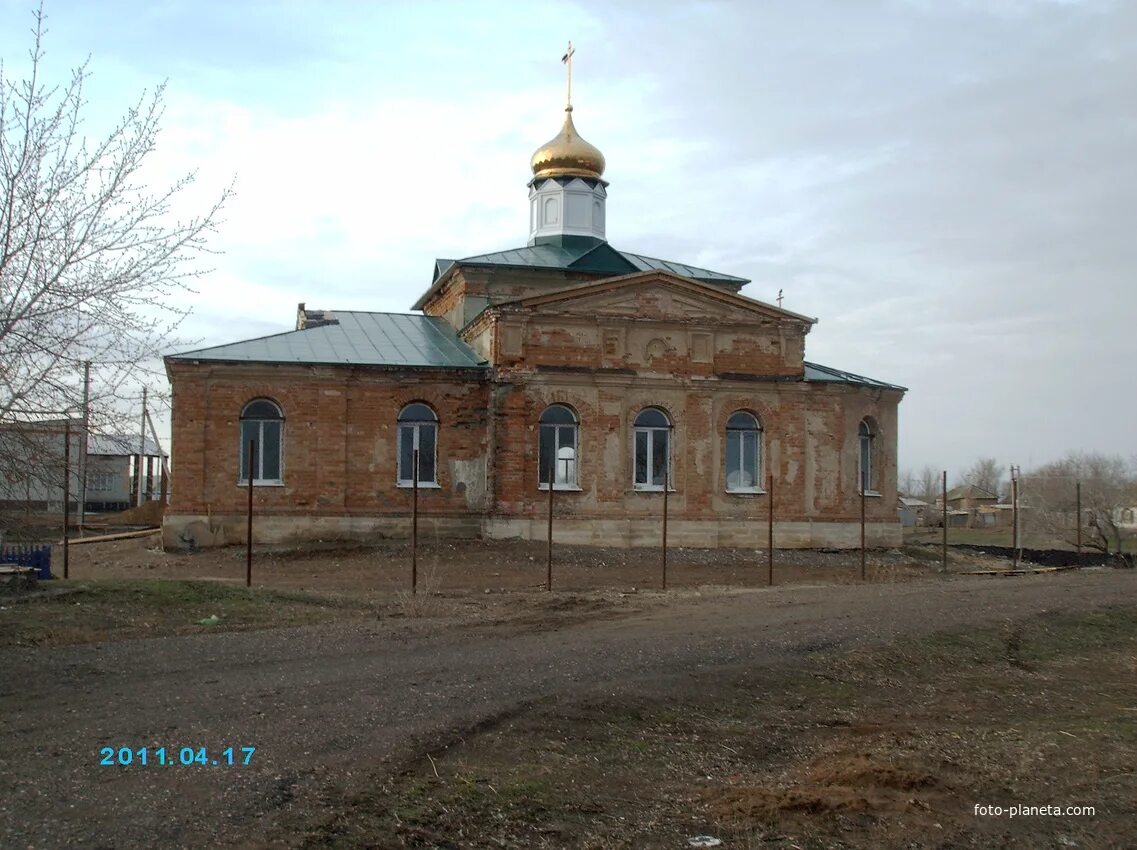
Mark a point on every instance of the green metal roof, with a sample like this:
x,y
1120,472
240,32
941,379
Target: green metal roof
x,y
354,339
586,255
815,373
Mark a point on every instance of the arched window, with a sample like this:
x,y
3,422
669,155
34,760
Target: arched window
x,y
866,434
418,430
652,435
743,453
262,423
557,445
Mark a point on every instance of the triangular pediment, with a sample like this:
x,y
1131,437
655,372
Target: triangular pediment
x,y
654,295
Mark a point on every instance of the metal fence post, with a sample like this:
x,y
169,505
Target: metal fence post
x,y
944,515
770,532
249,531
414,528
862,531
666,484
66,494
1015,515
1078,512
549,565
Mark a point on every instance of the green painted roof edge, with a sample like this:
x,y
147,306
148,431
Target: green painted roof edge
x,y
829,375
436,322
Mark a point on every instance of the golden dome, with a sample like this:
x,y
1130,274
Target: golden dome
x,y
567,155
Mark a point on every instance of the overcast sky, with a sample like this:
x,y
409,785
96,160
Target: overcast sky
x,y
949,187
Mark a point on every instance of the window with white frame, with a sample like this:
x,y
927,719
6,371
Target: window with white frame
x,y
743,453
418,431
557,446
262,424
652,447
866,434
101,481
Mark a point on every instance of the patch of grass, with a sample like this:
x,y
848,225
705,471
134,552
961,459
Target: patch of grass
x,y
90,611
869,748
923,553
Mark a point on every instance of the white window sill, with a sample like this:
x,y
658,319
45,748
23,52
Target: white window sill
x,y
258,483
567,488
643,488
872,494
746,491
422,485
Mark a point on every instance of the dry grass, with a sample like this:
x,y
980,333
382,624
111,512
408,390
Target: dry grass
x,y
90,611
865,749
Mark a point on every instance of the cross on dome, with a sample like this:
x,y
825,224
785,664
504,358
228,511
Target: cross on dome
x,y
567,154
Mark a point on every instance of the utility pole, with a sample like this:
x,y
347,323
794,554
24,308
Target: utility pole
x,y
163,467
83,444
141,450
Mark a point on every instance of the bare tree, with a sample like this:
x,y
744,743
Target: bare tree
x,y
985,473
1109,489
923,484
89,255
928,480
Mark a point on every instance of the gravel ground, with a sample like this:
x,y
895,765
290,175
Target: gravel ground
x,y
384,567
333,706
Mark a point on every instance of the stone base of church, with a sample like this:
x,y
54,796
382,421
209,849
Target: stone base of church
x,y
698,534
187,531
182,531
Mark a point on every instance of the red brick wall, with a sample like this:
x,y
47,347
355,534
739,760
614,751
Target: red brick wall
x,y
339,438
809,443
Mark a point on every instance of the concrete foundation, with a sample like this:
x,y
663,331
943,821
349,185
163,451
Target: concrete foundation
x,y
182,531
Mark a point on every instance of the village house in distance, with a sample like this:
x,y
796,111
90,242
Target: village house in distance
x,y
565,362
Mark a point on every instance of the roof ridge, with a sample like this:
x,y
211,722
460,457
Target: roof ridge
x,y
597,247
688,265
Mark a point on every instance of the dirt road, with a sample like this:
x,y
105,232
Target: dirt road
x,y
335,706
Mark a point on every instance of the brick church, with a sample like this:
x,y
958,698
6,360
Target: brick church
x,y
565,363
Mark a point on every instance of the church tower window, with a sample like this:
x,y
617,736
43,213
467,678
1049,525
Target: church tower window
x,y
652,439
743,453
418,431
557,447
262,423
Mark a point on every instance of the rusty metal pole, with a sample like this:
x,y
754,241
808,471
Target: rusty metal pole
x,y
862,531
666,484
1015,515
770,532
944,515
414,527
249,530
549,565
66,494
1078,512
